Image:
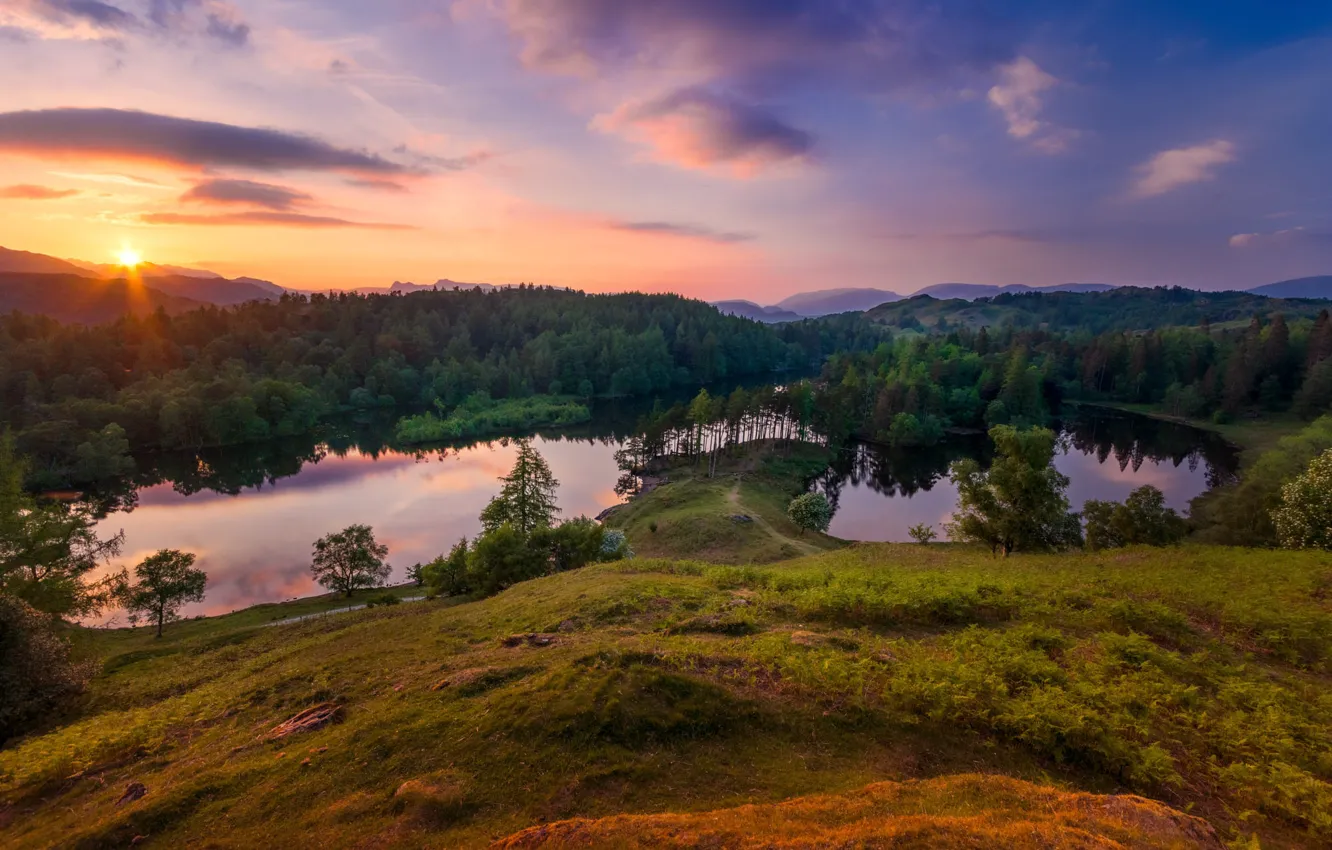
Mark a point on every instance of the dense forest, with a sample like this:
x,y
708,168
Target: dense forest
x,y
80,399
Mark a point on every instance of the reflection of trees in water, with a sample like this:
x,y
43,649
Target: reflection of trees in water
x,y
897,472
1131,440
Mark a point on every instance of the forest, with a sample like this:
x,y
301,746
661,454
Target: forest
x,y
80,400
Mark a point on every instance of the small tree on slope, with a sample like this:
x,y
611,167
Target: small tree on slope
x,y
350,559
166,580
812,512
1019,503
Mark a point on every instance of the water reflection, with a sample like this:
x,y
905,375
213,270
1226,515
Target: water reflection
x,y
879,493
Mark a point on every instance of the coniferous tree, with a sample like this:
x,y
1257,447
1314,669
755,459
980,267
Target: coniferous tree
x,y
527,500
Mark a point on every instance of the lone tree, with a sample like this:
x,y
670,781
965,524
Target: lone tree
x,y
166,580
1142,519
922,533
1019,503
527,500
350,559
812,512
1304,518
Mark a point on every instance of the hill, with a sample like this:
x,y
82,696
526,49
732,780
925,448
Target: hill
x,y
1194,676
73,299
1129,308
27,262
1300,287
826,302
750,310
972,291
215,290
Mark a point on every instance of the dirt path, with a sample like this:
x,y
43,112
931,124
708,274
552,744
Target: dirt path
x,y
805,548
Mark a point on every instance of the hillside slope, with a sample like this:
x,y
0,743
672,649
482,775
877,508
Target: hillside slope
x,y
83,300
1301,287
1196,677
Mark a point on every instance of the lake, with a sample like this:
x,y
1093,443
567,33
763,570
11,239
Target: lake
x,y
252,514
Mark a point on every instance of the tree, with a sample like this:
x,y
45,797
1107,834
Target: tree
x,y
1142,519
527,499
48,548
922,533
166,580
572,544
37,674
503,557
811,512
447,574
1304,518
350,559
1019,503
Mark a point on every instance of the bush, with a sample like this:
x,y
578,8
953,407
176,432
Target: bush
x,y
1304,518
811,511
922,533
383,599
1142,519
36,673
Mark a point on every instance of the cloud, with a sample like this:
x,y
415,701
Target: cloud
x,y
29,192
872,44
698,128
256,218
444,163
131,135
96,19
118,179
689,231
1171,169
1279,238
1018,95
227,191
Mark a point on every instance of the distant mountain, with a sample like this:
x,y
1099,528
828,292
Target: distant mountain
x,y
826,302
214,290
78,299
972,291
265,285
443,284
1300,287
30,263
114,270
750,310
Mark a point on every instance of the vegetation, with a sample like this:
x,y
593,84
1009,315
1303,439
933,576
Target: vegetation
x,y
1196,677
1018,504
479,416
1304,518
37,674
922,533
348,560
527,500
811,512
166,580
1142,519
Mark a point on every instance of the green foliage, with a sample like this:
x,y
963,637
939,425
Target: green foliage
x,y
1019,503
1241,513
447,574
479,416
811,512
527,499
1303,520
348,560
502,557
37,675
382,600
922,533
48,548
166,580
1142,519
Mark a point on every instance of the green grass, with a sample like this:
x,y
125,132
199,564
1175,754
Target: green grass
x,y
1197,676
691,516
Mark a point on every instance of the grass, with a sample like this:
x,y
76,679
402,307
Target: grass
x,y
692,515
1197,677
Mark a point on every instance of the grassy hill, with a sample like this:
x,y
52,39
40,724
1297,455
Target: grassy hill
x,y
1197,677
1128,307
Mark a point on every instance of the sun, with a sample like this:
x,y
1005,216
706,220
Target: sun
x,y
129,258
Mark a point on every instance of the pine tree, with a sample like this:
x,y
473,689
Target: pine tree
x,y
1320,340
527,499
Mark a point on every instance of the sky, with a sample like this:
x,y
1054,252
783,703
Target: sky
x,y
716,148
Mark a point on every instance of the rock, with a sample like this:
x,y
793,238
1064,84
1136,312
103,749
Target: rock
x,y
312,718
533,639
305,762
137,840
740,519
133,791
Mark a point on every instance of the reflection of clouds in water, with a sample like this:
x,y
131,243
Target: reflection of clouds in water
x,y
256,547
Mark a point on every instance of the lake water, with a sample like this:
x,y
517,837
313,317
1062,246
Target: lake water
x,y
251,515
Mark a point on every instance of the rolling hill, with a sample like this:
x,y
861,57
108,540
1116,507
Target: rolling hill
x,y
825,302
750,310
84,300
1300,287
1127,307
972,291
29,263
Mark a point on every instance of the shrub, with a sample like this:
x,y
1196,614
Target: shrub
x,y
36,673
384,599
811,511
922,533
1303,520
1142,519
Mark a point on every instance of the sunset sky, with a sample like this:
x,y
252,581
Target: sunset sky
x,y
719,148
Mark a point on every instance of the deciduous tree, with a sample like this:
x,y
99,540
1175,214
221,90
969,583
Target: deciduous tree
x,y
166,580
349,560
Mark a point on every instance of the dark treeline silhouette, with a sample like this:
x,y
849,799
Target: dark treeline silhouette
x,y
82,399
